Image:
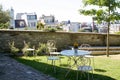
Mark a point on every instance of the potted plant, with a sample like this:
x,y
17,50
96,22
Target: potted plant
x,y
75,47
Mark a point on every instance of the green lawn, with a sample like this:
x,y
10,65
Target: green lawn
x,y
106,68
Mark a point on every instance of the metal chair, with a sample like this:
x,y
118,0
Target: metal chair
x,y
85,67
87,47
53,55
27,49
51,45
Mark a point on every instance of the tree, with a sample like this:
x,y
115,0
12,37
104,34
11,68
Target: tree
x,y
107,11
40,25
4,18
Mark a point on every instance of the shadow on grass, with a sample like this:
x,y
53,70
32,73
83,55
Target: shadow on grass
x,y
61,72
99,70
64,65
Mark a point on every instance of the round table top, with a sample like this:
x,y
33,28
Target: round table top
x,y
72,52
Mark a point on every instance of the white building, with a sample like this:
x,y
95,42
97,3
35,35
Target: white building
x,y
114,28
12,22
30,19
49,20
71,26
74,26
18,15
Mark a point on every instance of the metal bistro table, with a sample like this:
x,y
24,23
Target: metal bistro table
x,y
75,57
31,50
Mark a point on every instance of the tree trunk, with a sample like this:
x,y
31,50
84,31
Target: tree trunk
x,y
108,28
107,51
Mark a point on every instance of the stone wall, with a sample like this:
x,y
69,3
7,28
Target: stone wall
x,y
63,39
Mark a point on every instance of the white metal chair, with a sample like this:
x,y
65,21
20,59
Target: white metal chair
x,y
27,49
87,47
85,66
53,55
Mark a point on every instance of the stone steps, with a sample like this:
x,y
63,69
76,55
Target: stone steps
x,y
102,50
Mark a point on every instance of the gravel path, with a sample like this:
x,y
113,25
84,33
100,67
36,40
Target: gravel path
x,y
10,69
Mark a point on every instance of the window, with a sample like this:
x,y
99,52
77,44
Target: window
x,y
33,24
31,17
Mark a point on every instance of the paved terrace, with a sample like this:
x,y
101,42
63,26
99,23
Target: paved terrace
x,y
10,69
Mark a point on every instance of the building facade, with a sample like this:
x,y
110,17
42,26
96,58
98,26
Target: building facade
x,y
30,19
70,26
49,21
12,22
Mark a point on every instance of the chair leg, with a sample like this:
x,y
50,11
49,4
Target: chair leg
x,y
77,74
69,60
59,61
93,64
88,75
54,66
92,75
67,73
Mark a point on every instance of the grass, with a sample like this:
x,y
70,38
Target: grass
x,y
106,68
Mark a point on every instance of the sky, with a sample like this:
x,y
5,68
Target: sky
x,y
63,10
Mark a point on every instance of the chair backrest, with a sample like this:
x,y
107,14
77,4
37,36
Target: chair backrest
x,y
84,61
85,46
26,45
51,44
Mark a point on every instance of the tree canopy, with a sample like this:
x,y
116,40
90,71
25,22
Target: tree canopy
x,y
106,9
4,18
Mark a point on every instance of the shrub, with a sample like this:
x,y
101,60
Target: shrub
x,y
81,30
26,46
42,49
13,49
49,29
117,32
